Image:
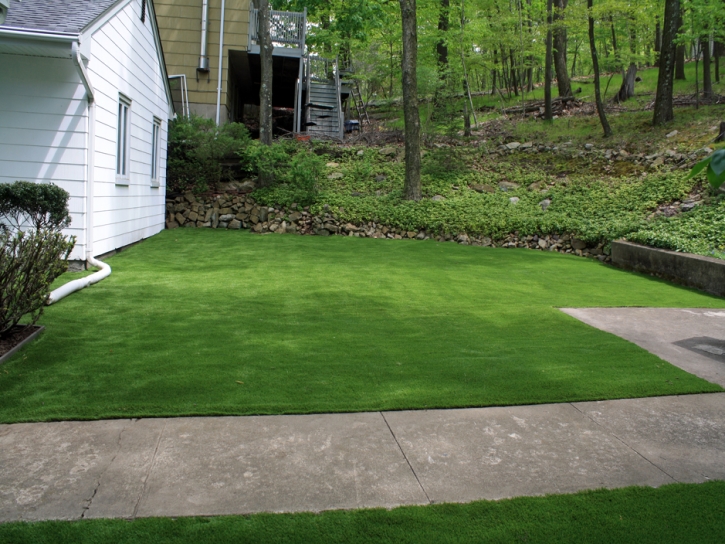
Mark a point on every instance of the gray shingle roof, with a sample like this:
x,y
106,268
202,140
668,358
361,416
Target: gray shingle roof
x,y
70,16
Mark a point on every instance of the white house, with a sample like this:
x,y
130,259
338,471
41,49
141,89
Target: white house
x,y
85,104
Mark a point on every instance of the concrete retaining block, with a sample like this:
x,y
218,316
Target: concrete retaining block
x,y
705,273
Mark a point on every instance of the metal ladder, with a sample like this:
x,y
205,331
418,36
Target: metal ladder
x,y
359,103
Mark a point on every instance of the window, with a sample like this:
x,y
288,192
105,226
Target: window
x,y
122,140
156,129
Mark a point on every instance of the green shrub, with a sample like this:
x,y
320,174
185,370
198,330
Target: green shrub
x,y
33,256
42,205
294,168
201,154
29,263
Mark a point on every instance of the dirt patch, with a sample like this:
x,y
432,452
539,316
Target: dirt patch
x,y
15,336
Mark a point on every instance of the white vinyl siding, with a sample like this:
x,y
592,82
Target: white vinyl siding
x,y
122,141
124,62
43,131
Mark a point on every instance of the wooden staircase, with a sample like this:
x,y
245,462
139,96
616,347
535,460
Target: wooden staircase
x,y
323,109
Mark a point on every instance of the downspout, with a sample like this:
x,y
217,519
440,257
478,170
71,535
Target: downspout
x,y
221,66
105,270
203,58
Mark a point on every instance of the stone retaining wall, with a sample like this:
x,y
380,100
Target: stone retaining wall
x,y
705,273
240,211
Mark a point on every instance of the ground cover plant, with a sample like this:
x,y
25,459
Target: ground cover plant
x,y
203,322
573,191
671,514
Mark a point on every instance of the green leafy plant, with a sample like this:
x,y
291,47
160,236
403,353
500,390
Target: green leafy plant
x,y
294,168
42,205
715,164
201,154
33,250
29,263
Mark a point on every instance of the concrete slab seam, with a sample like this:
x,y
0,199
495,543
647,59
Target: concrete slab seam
x,y
625,443
406,459
100,476
148,473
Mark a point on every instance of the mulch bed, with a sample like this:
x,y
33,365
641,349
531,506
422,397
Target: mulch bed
x,y
15,336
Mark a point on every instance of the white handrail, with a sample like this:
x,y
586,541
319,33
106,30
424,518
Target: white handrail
x,y
286,27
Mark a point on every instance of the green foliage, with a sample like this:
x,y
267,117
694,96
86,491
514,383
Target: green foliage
x,y
33,251
715,164
29,263
294,168
590,207
202,155
700,231
42,205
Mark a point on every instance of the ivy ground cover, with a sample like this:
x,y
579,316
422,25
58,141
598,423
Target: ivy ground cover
x,y
203,322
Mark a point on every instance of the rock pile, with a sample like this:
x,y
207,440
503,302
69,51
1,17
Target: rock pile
x,y
240,211
670,158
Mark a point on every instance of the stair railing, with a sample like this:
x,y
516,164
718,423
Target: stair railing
x,y
340,115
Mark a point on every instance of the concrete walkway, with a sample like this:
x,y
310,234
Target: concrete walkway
x,y
240,465
690,338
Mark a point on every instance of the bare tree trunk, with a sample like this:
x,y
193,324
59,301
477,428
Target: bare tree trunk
x,y
560,44
442,53
573,64
466,119
410,100
664,112
597,84
548,114
626,91
680,54
658,43
265,89
718,53
706,68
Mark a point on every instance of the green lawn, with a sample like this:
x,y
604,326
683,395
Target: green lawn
x,y
203,322
678,513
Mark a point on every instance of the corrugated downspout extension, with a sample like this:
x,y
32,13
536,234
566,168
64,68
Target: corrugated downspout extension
x,y
203,58
76,285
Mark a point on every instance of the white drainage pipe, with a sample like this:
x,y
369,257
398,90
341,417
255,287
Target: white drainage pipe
x,y
77,285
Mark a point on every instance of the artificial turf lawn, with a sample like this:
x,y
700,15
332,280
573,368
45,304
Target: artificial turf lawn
x,y
203,322
672,514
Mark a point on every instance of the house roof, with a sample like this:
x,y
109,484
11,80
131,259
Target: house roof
x,y
66,16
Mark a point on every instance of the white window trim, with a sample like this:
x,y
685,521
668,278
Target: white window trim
x,y
155,148
123,138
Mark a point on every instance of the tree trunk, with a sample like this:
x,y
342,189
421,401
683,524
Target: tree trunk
x,y
718,53
265,89
466,119
560,44
442,54
658,43
548,114
442,46
680,55
706,68
626,91
664,112
595,65
410,100
573,64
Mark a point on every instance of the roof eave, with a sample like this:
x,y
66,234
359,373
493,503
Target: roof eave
x,y
31,34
